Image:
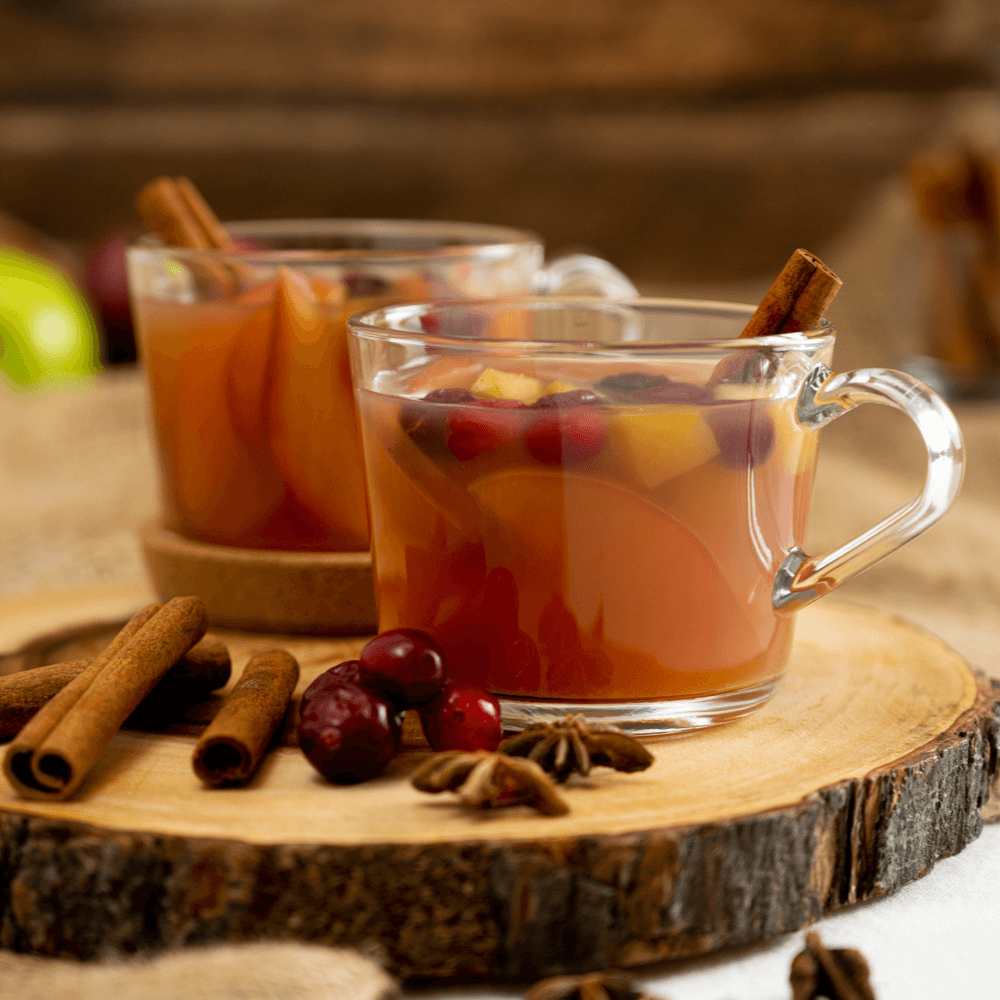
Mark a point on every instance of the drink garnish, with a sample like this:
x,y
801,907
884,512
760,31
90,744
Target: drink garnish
x,y
838,973
572,745
608,985
488,780
796,301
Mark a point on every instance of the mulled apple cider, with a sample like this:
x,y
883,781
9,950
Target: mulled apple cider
x,y
588,504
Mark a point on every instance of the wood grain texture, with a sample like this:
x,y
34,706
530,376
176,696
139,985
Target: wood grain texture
x,y
871,763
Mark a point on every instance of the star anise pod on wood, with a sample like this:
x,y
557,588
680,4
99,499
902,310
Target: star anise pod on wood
x,y
835,973
609,985
572,744
490,780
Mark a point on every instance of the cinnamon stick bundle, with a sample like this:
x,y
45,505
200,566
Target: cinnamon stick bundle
x,y
51,756
798,298
202,669
232,746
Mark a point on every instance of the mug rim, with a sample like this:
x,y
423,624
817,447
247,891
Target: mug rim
x,y
475,239
364,325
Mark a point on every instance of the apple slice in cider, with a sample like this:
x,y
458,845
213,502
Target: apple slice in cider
x,y
311,423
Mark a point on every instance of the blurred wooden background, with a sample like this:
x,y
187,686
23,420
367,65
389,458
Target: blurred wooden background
x,y
689,141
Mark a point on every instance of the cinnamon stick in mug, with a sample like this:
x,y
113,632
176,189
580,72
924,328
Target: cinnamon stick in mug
x,y
232,746
204,668
52,755
798,298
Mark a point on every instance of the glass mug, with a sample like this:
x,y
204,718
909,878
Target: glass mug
x,y
247,365
597,506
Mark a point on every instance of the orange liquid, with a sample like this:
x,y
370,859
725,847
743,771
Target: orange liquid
x,y
254,416
643,572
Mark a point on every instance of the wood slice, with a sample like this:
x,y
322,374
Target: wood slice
x,y
871,762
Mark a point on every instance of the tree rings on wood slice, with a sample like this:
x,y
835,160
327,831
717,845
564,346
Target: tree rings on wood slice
x,y
872,761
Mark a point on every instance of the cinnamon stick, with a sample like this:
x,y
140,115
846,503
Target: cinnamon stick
x,y
52,755
232,746
175,210
202,669
798,298
214,232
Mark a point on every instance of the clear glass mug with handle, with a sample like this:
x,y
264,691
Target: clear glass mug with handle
x,y
598,507
246,360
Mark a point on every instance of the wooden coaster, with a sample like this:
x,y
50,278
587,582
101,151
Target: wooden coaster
x,y
871,762
317,593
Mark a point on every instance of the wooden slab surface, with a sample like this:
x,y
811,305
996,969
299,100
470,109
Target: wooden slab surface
x,y
872,761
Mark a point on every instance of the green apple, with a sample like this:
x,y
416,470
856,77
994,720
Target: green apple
x,y
46,330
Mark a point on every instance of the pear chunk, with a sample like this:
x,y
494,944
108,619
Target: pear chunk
x,y
496,384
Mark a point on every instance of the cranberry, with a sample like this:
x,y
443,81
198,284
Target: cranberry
x,y
425,424
450,396
430,323
462,717
566,437
485,427
348,672
641,387
348,733
627,383
572,397
744,433
673,392
368,286
744,367
404,664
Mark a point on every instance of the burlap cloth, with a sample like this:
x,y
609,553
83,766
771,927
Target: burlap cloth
x,y
77,472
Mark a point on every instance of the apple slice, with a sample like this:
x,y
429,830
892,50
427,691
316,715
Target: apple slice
x,y
496,384
311,420
653,446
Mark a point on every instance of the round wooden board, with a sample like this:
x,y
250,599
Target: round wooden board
x,y
872,761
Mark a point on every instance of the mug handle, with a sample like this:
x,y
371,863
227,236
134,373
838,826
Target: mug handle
x,y
581,274
802,579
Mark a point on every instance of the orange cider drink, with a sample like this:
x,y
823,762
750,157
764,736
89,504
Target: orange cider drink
x,y
587,526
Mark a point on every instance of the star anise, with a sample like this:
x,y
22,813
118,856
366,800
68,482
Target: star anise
x,y
610,985
489,780
835,973
574,744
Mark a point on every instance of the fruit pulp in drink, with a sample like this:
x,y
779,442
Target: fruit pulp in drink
x,y
575,539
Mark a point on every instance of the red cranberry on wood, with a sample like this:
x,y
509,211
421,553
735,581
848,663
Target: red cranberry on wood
x,y
349,734
348,672
462,717
404,664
